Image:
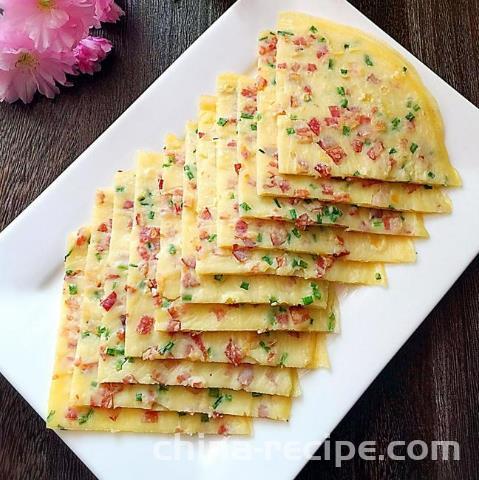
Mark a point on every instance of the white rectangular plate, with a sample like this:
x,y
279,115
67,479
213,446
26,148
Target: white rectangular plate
x,y
376,322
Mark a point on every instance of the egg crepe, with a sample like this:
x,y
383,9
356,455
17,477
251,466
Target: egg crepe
x,y
359,108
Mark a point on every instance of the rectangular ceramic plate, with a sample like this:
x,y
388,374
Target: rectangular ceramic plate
x,y
376,322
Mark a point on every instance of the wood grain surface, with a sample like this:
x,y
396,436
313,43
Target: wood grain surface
x,y
429,390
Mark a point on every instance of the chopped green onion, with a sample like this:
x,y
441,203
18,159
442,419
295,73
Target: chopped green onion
x,y
308,300
166,348
267,259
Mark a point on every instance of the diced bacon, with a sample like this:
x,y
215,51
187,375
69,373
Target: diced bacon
x,y
149,234
324,171
301,193
246,375
364,120
201,134
322,51
323,262
150,416
284,185
282,65
261,83
334,111
315,126
240,253
336,153
145,325
331,121
160,183
244,152
357,145
282,318
263,411
71,413
108,302
305,133
249,92
127,204
103,227
241,228
189,261
311,67
231,143
174,323
104,396
299,315
293,101
183,378
327,189
280,261
219,313
237,167
307,90
278,236
375,151
223,429
198,341
303,221
300,41
189,280
233,352
81,239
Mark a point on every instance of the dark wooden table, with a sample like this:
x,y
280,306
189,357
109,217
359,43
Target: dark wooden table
x,y
430,389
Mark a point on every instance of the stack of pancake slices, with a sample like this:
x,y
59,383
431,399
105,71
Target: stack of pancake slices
x,y
207,276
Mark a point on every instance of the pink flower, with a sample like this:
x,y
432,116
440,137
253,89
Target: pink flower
x,y
107,11
90,52
51,24
24,69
